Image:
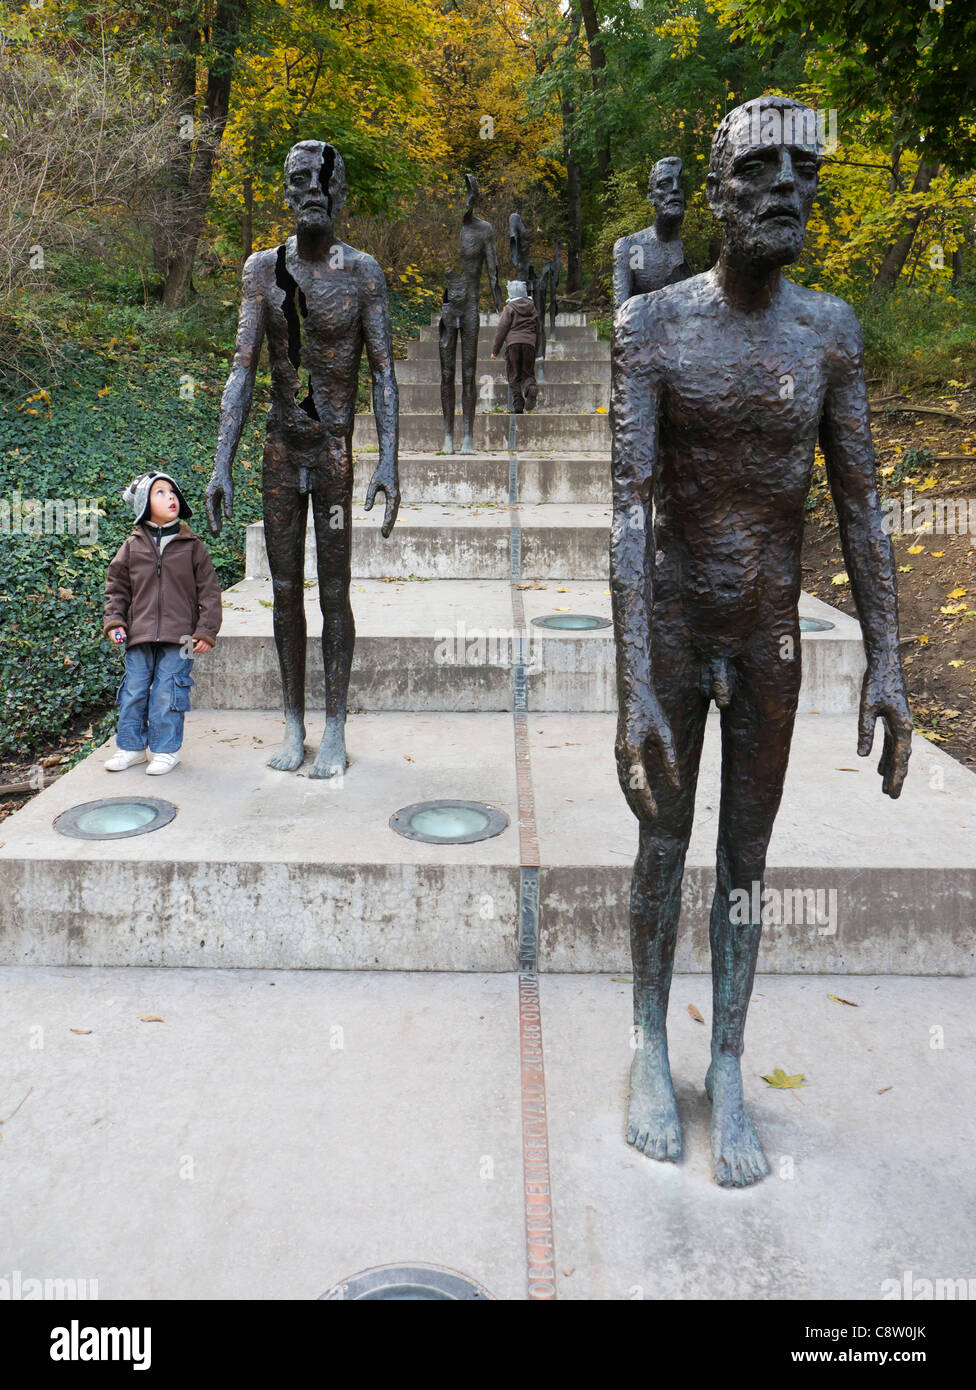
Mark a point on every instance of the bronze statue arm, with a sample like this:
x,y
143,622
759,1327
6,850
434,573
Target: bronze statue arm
x,y
491,262
236,399
378,339
622,273
634,403
845,437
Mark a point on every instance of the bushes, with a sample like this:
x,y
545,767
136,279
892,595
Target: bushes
x,y
111,419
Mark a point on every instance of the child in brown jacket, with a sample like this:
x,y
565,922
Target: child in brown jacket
x,y
519,329
162,598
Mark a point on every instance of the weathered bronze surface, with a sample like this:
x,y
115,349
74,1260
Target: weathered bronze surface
x,y
654,257
460,317
722,386
317,302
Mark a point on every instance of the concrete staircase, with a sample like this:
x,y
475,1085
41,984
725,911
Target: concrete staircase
x,y
457,693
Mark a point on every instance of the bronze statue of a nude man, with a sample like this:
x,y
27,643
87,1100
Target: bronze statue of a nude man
x,y
318,301
722,385
654,257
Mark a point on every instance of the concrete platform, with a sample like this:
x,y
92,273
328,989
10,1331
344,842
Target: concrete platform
x,y
561,398
439,541
563,349
557,370
261,868
424,433
449,644
253,1155
570,333
563,320
464,479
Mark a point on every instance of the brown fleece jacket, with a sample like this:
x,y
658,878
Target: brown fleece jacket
x,y
519,323
163,596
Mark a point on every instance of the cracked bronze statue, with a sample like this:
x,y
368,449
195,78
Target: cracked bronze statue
x,y
654,257
460,317
318,302
722,385
543,292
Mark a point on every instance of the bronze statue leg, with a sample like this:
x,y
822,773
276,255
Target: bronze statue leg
x,y
655,892
332,515
447,337
757,727
285,516
469,366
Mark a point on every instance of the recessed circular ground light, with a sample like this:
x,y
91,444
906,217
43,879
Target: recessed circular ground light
x,y
409,1284
449,822
115,817
815,625
571,622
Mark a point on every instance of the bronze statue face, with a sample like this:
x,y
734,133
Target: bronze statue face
x,y
763,180
315,185
664,189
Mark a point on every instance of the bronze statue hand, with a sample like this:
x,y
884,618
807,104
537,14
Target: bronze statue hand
x,y
220,489
385,480
883,696
633,736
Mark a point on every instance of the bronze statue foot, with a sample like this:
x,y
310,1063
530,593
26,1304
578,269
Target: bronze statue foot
x,y
736,1151
291,754
652,1119
330,761
448,444
467,447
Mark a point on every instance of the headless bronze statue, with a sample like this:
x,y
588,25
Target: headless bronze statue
x,y
318,302
460,317
722,386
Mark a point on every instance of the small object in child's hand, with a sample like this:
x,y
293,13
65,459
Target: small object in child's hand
x,y
118,636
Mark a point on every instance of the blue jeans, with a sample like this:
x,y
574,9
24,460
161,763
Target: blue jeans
x,y
153,697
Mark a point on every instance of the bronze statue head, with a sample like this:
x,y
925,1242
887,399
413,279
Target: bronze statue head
x,y
762,177
315,184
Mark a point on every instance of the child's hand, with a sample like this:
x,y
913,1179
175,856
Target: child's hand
x,y
494,357
201,645
116,634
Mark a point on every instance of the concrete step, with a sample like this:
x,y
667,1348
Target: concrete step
x,y
557,371
436,541
568,333
451,644
561,398
536,432
567,320
561,349
267,869
464,478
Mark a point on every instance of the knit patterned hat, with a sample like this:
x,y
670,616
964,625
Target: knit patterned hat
x,y
137,495
516,289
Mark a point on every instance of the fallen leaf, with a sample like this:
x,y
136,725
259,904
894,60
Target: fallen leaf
x,y
781,1082
79,1030
937,554
407,758
905,569
957,593
150,1018
957,663
950,608
840,579
923,641
838,1000
693,1013
622,979
915,549
883,1089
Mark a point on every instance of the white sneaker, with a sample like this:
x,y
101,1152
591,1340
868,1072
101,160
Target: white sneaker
x,y
162,762
124,758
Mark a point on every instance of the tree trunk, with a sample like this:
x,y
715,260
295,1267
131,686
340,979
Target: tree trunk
x,y
598,64
897,253
224,32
